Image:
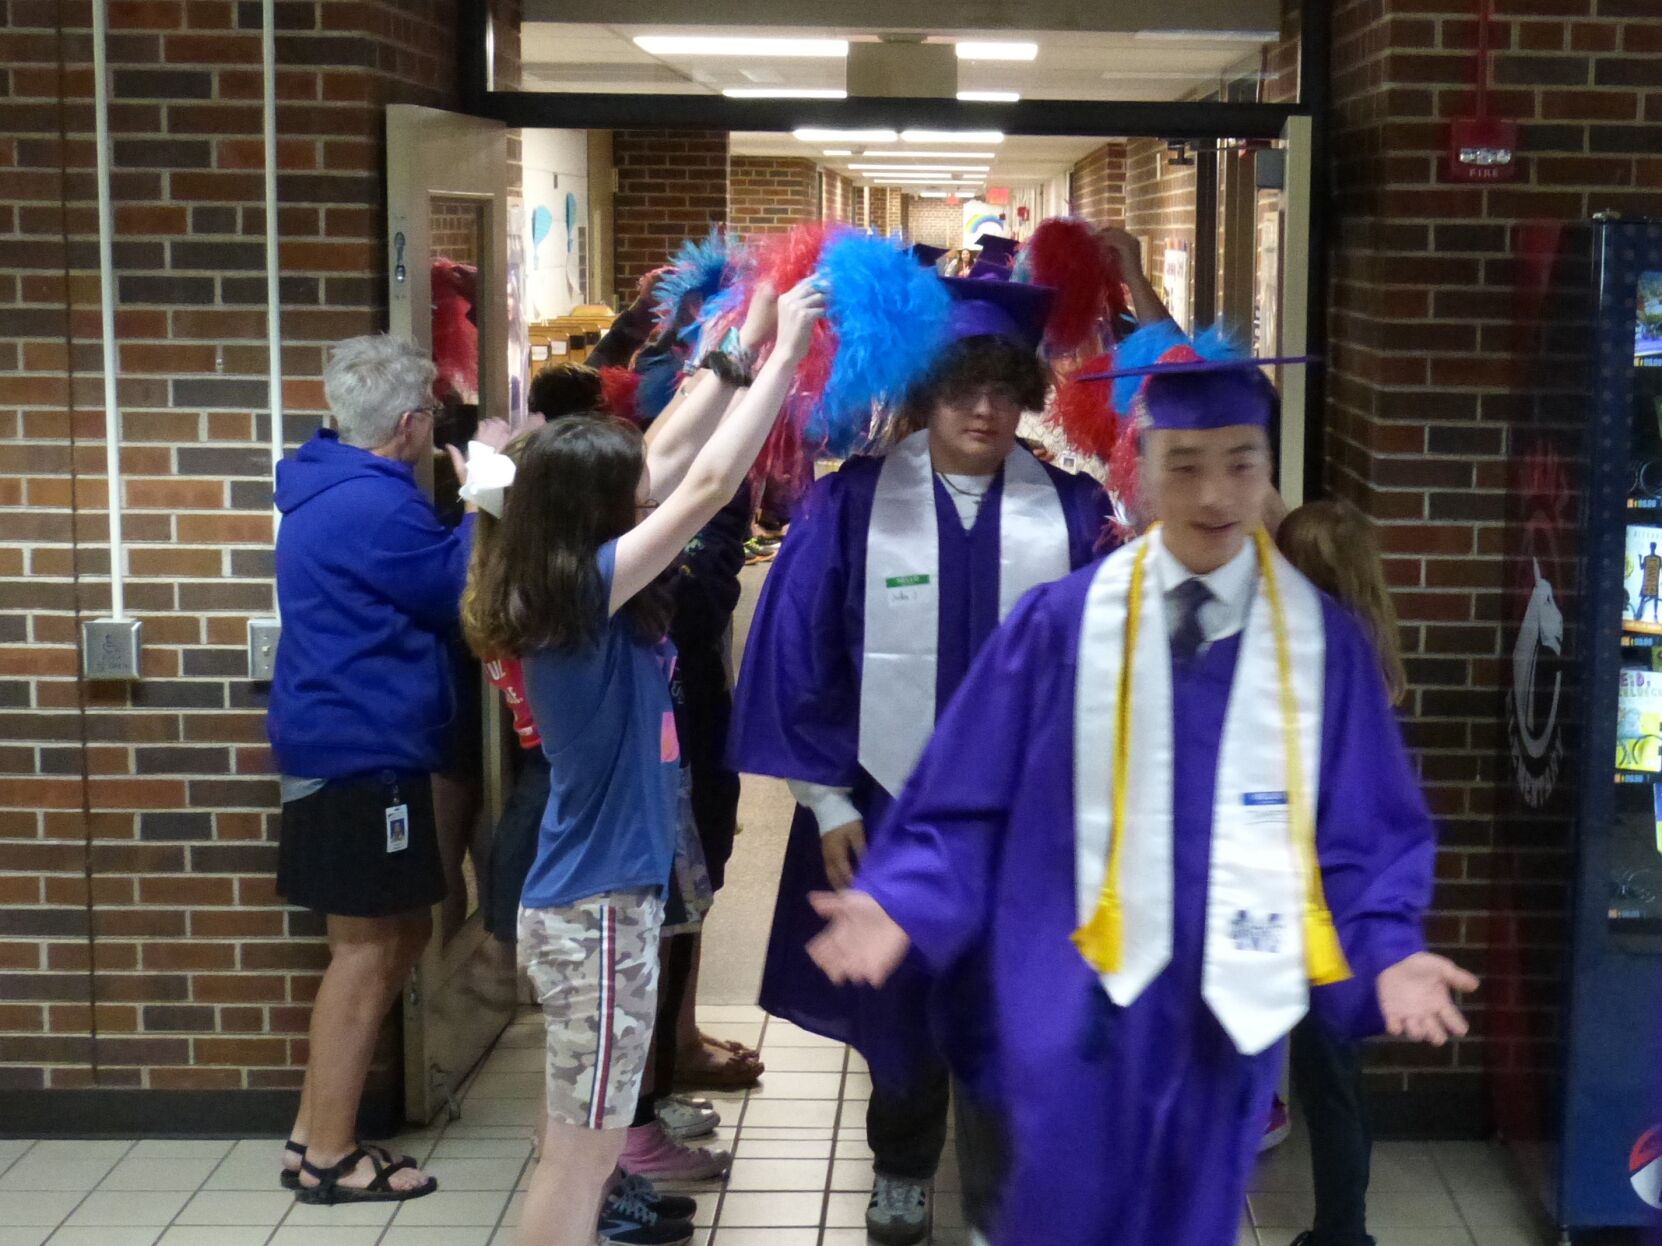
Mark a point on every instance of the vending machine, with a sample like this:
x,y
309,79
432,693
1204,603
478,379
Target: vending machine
x,y
1573,1000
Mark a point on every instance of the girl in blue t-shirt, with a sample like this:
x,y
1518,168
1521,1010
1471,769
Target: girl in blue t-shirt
x,y
566,581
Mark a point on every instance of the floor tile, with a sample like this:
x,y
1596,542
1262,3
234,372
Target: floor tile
x,y
1509,1235
783,1034
1403,1166
449,1148
515,1208
759,1146
63,1166
147,1173
779,1174
447,1207
237,1207
32,1236
767,1237
214,1235
106,1235
798,1086
521,1113
13,1149
128,1208
790,1113
43,1207
314,1236
847,1209
730,1012
183,1148
517,1060
1418,1237
1428,1208
498,1085
477,1174
1500,1207
776,1210
804,1060
340,1216
460,1236
851,1174
1472,1164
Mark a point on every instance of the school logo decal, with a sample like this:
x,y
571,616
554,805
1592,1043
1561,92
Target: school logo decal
x,y
1533,701
1644,1167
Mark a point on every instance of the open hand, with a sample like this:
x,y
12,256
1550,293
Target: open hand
x,y
494,433
800,310
843,848
861,944
1415,997
1125,245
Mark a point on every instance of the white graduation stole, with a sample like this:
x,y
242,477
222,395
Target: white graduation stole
x,y
1268,930
902,601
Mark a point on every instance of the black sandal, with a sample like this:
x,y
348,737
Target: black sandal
x,y
328,1191
289,1178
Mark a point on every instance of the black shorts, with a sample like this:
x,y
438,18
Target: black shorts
x,y
333,853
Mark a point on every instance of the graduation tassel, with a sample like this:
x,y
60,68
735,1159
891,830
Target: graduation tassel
x,y
1324,959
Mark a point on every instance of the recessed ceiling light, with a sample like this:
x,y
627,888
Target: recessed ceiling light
x,y
989,97
927,155
922,168
974,51
723,45
811,135
952,136
783,93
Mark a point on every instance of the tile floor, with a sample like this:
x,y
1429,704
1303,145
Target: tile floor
x,y
800,1175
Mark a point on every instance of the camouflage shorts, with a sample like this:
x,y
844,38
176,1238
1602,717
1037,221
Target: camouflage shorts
x,y
594,965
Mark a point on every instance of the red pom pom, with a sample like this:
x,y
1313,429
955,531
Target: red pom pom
x,y
783,260
455,336
618,387
1122,473
1066,255
1084,413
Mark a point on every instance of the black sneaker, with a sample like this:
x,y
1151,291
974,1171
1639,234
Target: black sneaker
x,y
627,1220
669,1206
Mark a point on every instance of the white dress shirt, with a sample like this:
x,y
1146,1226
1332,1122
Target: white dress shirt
x,y
1231,586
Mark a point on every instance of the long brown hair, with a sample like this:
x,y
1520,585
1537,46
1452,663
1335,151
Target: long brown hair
x,y
533,582
1336,547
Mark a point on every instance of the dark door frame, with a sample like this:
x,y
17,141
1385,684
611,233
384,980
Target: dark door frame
x,y
1213,119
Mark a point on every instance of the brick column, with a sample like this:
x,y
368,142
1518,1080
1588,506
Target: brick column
x,y
672,185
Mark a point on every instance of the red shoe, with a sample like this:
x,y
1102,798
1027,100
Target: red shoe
x,y
1276,1128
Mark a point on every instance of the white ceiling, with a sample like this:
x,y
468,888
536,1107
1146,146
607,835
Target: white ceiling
x,y
1021,159
1071,65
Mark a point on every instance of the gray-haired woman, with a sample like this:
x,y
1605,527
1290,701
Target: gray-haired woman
x,y
369,584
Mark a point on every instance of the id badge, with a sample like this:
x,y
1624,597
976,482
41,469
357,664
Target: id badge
x,y
398,828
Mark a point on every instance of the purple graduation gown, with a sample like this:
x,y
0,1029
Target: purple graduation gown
x,y
796,714
1130,1126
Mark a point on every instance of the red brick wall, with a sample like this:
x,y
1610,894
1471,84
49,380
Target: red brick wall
x,y
935,222
1160,203
1422,385
1096,186
839,195
141,945
769,194
672,185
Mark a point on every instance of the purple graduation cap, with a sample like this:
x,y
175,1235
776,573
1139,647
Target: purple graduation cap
x,y
1011,309
1164,380
926,255
997,261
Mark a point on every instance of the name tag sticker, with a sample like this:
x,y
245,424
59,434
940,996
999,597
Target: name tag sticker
x,y
901,589
1264,808
398,828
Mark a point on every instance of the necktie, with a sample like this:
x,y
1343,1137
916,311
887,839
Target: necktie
x,y
1188,636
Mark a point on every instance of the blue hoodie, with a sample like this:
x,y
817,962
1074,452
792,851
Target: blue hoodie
x,y
369,584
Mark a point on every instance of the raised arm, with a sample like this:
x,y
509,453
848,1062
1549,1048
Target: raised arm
x,y
1144,301
675,438
721,465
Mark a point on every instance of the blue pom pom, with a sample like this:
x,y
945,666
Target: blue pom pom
x,y
1138,350
660,378
890,317
697,270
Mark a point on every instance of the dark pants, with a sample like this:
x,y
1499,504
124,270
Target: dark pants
x,y
983,1159
1327,1078
907,1131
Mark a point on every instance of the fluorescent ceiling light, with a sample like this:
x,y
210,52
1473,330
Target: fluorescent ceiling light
x,y
724,45
989,97
922,168
1209,36
973,51
839,152
952,136
926,155
811,135
933,194
913,181
784,93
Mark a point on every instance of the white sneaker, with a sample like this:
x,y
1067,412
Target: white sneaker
x,y
686,1117
899,1211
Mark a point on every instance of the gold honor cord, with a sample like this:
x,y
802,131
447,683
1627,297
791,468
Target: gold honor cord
x,y
1101,940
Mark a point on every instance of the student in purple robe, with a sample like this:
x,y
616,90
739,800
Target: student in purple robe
x,y
894,574
1171,803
